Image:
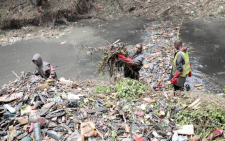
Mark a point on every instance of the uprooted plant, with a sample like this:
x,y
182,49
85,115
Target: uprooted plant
x,y
110,62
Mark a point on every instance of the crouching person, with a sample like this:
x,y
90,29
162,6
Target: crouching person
x,y
44,69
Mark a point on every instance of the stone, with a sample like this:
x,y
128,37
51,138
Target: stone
x,y
88,129
149,100
162,113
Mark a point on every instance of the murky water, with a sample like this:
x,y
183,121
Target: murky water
x,y
208,43
69,60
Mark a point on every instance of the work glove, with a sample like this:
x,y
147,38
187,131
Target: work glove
x,y
175,77
51,77
126,59
189,74
52,72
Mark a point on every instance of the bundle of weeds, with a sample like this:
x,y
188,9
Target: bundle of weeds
x,y
205,118
110,61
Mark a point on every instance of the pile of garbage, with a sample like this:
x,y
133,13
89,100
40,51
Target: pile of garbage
x,y
158,52
37,109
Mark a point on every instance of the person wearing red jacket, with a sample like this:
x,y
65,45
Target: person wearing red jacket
x,y
44,69
133,63
181,66
39,3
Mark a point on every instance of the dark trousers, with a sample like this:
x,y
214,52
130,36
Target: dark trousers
x,y
39,2
177,88
131,72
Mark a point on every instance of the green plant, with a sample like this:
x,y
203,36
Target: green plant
x,y
114,135
205,117
81,104
130,88
102,89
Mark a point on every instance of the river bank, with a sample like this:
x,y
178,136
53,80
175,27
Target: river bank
x,y
20,21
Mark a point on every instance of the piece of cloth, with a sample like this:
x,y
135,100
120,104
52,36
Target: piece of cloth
x,y
44,69
179,64
138,59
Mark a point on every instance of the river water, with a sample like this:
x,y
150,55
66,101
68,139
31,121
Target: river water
x,y
205,37
69,59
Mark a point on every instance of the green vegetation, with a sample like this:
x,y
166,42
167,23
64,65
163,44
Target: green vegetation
x,y
81,104
204,118
130,88
125,88
102,89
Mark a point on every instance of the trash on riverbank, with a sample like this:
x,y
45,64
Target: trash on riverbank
x,y
50,112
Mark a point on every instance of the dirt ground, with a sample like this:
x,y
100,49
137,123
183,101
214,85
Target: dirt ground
x,y
15,14
19,19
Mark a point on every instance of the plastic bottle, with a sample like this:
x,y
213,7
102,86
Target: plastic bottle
x,y
36,105
22,136
16,133
37,132
26,139
91,139
43,86
3,133
182,138
11,109
33,117
66,82
84,112
175,137
17,108
155,134
81,138
74,136
127,139
56,100
54,135
8,114
150,108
